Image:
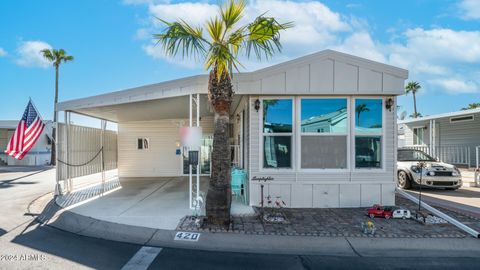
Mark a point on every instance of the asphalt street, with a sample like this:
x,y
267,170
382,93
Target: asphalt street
x,y
25,244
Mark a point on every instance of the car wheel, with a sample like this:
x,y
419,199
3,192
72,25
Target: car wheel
x,y
372,215
403,180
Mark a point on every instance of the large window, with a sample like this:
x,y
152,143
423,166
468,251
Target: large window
x,y
324,133
418,136
368,133
277,133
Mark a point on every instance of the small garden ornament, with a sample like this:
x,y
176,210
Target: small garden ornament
x,y
368,227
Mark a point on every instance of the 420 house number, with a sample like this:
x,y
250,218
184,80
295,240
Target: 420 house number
x,y
187,236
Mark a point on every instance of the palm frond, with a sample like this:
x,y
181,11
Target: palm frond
x,y
181,36
47,54
236,40
264,36
232,13
216,29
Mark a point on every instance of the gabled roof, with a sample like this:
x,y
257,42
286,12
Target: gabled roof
x,y
442,115
326,72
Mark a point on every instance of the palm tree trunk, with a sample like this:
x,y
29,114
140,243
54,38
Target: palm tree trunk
x,y
414,106
53,156
219,196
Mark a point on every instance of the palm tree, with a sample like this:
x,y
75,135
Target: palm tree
x,y
359,109
56,57
471,106
219,51
413,87
413,115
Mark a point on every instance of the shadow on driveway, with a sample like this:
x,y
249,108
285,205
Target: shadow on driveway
x,y
90,252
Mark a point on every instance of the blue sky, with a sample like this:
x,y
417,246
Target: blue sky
x,y
438,41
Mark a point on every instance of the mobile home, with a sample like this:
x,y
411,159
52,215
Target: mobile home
x,y
317,131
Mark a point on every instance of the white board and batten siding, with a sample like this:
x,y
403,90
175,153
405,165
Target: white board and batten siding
x,y
160,158
326,75
327,72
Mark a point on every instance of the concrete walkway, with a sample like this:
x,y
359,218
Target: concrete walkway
x,y
465,199
158,203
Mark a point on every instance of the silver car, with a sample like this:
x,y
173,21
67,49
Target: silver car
x,y
434,173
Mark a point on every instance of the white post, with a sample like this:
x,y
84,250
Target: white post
x,y
430,138
67,150
58,189
190,165
199,149
103,124
434,138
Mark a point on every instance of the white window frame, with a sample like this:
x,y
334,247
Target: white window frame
x,y
262,134
415,137
382,136
299,134
453,121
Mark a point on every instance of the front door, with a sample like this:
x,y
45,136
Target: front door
x,y
205,156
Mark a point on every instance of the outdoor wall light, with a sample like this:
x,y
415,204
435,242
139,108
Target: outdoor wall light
x,y
238,118
257,105
389,104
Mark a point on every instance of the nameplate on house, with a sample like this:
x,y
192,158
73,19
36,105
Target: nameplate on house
x,y
262,178
187,236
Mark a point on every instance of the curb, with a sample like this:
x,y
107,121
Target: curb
x,y
57,217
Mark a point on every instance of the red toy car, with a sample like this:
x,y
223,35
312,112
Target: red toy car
x,y
380,211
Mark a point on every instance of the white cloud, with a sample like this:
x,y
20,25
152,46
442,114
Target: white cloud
x,y
142,33
317,25
361,44
444,58
194,13
456,86
440,58
29,54
469,9
157,52
2,52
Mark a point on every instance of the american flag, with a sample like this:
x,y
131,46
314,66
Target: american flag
x,y
27,133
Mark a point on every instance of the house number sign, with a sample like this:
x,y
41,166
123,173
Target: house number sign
x,y
262,178
187,236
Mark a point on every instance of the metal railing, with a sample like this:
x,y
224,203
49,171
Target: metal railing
x,y
454,154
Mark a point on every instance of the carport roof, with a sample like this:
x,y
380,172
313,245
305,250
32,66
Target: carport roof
x,y
438,116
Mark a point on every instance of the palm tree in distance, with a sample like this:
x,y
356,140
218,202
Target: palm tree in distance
x,y
471,106
56,57
219,51
413,87
359,109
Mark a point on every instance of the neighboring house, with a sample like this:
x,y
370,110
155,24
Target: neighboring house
x,y
296,129
38,155
451,137
401,135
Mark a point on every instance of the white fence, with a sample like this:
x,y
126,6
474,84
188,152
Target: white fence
x,y
83,154
454,154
